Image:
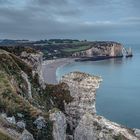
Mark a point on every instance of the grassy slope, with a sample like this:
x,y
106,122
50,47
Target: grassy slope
x,y
13,97
4,82
76,49
4,136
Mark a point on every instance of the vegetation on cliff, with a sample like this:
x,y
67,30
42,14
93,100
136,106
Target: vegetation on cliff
x,y
59,48
14,98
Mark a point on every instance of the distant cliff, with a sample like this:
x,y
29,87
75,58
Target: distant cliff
x,y
105,49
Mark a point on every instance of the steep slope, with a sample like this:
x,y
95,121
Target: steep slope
x,y
24,104
82,120
104,49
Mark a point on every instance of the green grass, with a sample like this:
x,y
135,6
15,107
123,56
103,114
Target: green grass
x,y
76,49
13,97
4,136
4,82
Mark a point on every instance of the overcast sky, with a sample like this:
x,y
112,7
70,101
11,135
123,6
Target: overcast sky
x,y
117,20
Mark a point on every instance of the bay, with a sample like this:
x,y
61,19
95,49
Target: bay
x,y
118,98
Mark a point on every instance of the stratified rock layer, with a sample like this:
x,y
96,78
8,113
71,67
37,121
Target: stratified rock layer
x,y
109,49
81,113
82,88
35,61
98,128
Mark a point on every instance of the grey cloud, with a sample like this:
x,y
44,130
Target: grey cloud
x,y
114,20
69,12
133,20
13,14
49,2
4,1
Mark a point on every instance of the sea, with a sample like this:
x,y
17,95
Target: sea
x,y
118,98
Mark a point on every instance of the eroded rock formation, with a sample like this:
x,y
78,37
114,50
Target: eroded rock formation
x,y
59,125
83,122
25,77
82,88
35,61
108,49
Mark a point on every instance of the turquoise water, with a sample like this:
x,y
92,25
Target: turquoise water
x,y
118,97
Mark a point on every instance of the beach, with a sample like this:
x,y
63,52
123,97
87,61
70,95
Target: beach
x,y
49,68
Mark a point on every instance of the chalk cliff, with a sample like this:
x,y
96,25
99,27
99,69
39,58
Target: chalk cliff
x,y
35,60
82,88
59,125
108,49
83,122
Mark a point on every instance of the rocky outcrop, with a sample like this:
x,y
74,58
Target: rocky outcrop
x,y
93,127
35,60
25,77
32,59
26,136
83,122
59,125
108,49
40,122
82,88
137,132
12,129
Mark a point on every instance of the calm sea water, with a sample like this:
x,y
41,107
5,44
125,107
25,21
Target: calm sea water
x,y
118,97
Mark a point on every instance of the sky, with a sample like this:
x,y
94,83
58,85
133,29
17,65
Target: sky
x,y
116,20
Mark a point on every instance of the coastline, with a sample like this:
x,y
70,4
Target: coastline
x,y
49,68
98,58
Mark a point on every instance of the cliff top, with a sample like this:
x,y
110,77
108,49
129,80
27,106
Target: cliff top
x,y
80,77
21,93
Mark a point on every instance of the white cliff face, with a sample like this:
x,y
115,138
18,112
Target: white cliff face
x,y
35,60
25,77
98,128
40,123
82,88
59,125
81,112
116,50
106,49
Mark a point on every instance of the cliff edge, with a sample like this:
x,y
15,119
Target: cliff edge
x,y
83,122
105,49
25,105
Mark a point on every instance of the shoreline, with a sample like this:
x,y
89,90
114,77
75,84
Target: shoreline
x,y
99,58
49,68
